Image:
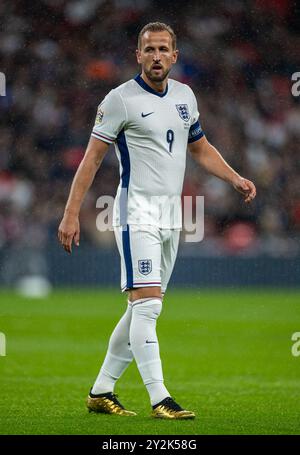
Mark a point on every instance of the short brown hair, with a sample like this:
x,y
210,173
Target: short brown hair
x,y
157,27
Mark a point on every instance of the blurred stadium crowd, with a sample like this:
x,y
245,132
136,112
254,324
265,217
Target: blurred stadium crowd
x,y
60,58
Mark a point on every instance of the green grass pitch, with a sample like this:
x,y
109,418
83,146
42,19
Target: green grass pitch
x,y
226,355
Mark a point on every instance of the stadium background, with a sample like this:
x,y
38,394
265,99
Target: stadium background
x,y
60,58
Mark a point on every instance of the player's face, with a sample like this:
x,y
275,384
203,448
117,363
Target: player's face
x,y
156,55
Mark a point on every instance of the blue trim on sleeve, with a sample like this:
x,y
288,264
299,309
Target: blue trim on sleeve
x,y
147,87
195,132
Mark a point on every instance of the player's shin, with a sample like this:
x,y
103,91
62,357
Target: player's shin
x,y
118,356
145,347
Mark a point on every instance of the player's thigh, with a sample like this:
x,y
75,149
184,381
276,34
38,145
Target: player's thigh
x,y
140,252
168,256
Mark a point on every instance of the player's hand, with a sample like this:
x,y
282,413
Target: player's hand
x,y
246,187
69,231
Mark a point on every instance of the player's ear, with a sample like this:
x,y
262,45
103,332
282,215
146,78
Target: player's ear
x,y
175,56
138,55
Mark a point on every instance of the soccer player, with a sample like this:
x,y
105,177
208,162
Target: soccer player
x,y
151,120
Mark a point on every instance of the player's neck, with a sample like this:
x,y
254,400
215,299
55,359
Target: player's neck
x,y
159,87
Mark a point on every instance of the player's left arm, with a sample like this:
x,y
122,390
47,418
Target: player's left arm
x,y
208,157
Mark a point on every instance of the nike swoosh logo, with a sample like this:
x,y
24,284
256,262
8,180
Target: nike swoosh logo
x,y
148,342
146,115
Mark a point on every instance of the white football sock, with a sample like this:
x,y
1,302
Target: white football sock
x,y
145,347
118,356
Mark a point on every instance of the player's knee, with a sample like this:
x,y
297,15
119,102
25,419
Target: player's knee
x,y
145,293
148,309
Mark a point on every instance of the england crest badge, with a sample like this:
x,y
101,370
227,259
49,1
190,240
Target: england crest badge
x,y
183,111
145,266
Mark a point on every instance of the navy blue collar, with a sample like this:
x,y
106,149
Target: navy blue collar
x,y
147,87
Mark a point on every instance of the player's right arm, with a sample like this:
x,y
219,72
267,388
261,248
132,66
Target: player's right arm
x,y
69,228
110,119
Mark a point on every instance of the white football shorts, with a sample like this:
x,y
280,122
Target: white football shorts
x,y
148,255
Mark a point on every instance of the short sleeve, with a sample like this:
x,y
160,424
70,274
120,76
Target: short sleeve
x,y
195,132
110,118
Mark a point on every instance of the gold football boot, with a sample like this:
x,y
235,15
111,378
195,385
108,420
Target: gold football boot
x,y
169,409
107,403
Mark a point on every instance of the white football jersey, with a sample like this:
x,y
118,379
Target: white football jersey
x,y
150,131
